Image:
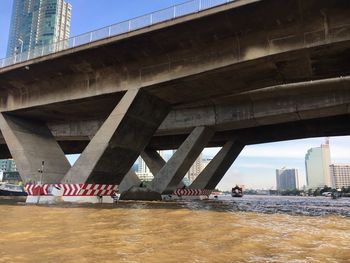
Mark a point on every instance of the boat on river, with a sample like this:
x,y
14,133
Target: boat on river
x,y
7,189
237,191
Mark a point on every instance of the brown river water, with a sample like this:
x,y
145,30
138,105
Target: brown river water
x,y
251,229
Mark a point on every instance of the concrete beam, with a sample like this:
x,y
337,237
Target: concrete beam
x,y
153,160
217,168
273,105
183,67
170,176
120,140
130,180
30,143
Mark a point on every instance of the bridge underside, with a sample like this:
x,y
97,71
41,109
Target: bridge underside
x,y
326,126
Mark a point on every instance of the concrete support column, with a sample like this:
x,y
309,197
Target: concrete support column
x,y
170,176
31,142
153,160
217,168
120,140
131,179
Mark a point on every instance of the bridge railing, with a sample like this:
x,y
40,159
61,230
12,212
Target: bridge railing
x,y
133,24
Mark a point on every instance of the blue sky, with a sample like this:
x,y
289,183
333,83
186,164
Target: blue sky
x,y
256,165
90,14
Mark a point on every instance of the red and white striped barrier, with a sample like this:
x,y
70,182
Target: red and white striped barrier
x,y
70,189
192,192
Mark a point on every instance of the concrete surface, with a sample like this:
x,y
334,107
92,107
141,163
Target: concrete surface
x,y
218,166
171,174
120,140
30,143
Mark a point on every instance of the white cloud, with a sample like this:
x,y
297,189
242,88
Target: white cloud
x,y
339,146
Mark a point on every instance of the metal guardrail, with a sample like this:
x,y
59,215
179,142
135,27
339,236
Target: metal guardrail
x,y
163,15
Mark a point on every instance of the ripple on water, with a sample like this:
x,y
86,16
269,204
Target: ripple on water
x,y
273,230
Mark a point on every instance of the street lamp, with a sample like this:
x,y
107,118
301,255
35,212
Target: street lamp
x,y
21,45
40,171
20,48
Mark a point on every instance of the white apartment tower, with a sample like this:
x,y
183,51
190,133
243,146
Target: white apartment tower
x,y
341,175
317,162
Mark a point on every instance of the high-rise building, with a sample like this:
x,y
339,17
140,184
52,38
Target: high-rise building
x,y
206,161
317,161
287,179
36,23
143,171
195,169
340,175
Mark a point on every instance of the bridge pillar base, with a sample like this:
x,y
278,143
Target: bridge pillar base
x,y
140,194
216,169
171,174
130,180
31,142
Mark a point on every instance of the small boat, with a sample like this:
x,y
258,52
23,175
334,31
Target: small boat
x,y
7,189
237,191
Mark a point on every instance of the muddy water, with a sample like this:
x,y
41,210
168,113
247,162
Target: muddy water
x,y
211,231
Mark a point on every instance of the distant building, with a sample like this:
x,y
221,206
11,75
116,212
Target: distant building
x,y
206,161
195,169
340,175
145,174
36,23
8,165
143,171
317,161
10,177
287,179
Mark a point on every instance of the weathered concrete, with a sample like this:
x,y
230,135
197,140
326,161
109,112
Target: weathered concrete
x,y
153,160
278,46
318,127
273,105
140,194
170,176
30,143
118,143
217,168
130,180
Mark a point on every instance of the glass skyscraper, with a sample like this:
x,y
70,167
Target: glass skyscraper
x,y
36,23
317,161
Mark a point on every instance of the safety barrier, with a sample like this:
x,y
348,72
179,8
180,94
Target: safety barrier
x,y
150,19
70,189
192,192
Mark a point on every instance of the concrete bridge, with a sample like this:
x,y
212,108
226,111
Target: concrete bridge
x,y
241,73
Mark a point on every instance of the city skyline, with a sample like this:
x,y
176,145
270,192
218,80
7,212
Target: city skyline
x,y
256,165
